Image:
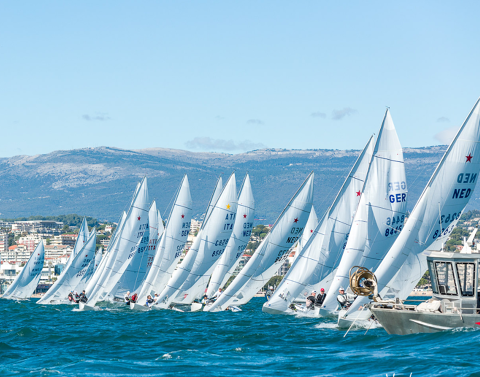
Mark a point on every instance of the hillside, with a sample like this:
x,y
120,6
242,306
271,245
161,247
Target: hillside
x,y
99,182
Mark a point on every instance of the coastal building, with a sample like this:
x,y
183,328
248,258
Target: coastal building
x,y
105,242
64,239
16,253
37,226
30,241
3,242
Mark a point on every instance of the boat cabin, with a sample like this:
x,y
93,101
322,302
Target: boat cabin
x,y
454,279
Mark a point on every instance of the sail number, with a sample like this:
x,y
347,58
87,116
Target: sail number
x,y
445,219
217,253
282,254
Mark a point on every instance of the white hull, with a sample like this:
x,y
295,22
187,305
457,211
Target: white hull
x,y
139,308
361,318
86,308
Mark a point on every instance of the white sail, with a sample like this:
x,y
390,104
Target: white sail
x,y
213,200
92,283
127,241
26,282
82,237
191,277
440,205
88,271
139,263
310,227
238,241
381,212
69,281
171,244
273,250
321,254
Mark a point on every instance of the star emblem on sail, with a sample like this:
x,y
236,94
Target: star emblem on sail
x,y
228,206
469,157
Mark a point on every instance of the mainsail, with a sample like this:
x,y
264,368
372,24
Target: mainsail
x,y
191,277
381,212
127,241
310,227
26,282
171,244
88,271
238,241
322,253
440,205
272,252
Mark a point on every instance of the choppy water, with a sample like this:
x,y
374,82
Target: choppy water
x,y
54,340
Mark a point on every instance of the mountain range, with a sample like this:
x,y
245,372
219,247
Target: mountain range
x,y
99,182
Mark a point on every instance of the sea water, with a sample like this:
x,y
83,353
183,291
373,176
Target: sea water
x,y
39,340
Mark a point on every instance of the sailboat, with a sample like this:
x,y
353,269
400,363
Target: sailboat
x,y
27,280
381,211
239,239
134,234
69,280
190,279
56,294
171,243
321,254
272,252
436,212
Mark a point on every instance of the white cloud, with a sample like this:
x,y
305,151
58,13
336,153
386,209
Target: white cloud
x,y
209,144
255,121
342,113
102,117
446,136
318,114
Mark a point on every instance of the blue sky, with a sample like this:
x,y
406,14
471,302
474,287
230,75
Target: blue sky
x,y
229,77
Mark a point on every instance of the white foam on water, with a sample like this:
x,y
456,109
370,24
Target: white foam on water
x,y
167,356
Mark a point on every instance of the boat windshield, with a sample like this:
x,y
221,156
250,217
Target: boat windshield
x,y
445,278
433,278
466,277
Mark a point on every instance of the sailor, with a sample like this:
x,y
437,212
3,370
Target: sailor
x,y
320,298
269,293
83,297
150,301
217,293
343,298
71,297
127,298
204,299
156,297
134,298
311,300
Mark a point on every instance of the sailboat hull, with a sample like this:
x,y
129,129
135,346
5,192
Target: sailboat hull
x,y
139,308
86,308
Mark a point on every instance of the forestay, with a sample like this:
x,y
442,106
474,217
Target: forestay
x,y
128,239
171,244
381,211
191,277
239,239
321,254
273,250
69,280
26,282
440,205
